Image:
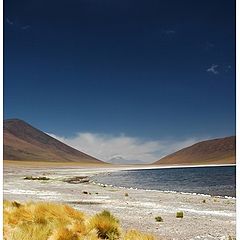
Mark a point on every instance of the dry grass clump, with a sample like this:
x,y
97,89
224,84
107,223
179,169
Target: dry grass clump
x,y
26,231
179,214
50,221
133,234
158,219
106,224
63,234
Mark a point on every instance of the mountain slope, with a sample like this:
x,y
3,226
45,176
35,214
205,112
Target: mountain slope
x,y
222,151
24,142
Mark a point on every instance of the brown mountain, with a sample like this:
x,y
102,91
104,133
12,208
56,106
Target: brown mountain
x,y
24,142
222,151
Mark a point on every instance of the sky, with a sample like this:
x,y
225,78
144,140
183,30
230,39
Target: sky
x,y
136,79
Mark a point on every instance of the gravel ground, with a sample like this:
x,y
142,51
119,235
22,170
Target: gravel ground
x,y
205,217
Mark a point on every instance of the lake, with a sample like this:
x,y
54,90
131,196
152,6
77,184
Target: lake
x,y
214,181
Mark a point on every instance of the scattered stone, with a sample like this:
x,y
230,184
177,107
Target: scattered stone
x,y
77,180
85,192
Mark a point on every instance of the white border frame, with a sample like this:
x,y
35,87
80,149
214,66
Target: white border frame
x,y
1,113
237,115
237,112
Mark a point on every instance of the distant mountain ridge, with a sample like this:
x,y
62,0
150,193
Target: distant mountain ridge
x,y
215,151
25,142
121,160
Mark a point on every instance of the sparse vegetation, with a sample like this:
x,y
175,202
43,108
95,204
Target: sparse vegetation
x,y
204,201
179,214
36,178
77,180
158,219
106,224
50,221
126,195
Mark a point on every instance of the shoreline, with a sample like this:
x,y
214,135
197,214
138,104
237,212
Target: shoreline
x,y
157,190
116,168
41,164
214,219
163,191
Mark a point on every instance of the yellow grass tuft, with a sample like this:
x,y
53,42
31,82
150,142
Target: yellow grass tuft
x,y
63,234
50,221
73,213
133,234
106,224
28,231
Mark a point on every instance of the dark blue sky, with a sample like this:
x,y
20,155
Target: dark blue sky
x,y
152,69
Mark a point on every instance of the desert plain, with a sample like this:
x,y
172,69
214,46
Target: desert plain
x,y
205,217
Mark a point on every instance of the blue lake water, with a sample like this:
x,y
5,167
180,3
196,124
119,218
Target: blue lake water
x,y
214,181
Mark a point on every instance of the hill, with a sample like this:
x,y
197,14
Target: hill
x,y
215,151
24,142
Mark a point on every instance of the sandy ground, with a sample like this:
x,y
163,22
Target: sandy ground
x,y
214,219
